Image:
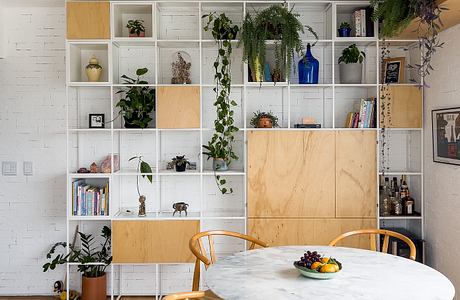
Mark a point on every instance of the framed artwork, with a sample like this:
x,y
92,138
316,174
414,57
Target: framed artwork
x,y
96,121
393,69
446,135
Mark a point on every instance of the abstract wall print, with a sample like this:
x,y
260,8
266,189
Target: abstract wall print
x,y
394,69
446,135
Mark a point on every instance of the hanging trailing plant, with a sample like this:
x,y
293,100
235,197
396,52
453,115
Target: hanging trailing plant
x,y
220,147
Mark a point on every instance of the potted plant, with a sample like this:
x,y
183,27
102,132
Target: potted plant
x,y
94,281
180,163
220,147
139,102
264,120
351,65
273,23
344,29
146,171
136,28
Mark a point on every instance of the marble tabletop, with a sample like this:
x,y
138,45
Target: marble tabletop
x,y
269,274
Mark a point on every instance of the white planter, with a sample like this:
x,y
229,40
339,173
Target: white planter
x,y
351,73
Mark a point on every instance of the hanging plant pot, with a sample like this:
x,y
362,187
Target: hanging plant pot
x,y
219,164
351,73
94,288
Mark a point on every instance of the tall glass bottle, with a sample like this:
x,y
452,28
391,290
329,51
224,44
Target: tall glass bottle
x,y
308,68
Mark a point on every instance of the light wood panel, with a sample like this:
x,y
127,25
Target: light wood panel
x,y
178,107
88,20
280,232
356,173
291,173
153,241
405,107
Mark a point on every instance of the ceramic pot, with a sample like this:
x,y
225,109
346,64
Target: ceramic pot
x,y
265,122
141,34
344,32
93,70
180,168
219,164
94,288
351,73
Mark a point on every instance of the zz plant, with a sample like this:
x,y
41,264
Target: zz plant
x,y
136,27
352,55
221,144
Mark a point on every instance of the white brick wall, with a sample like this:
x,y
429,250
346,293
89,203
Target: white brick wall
x,y
441,182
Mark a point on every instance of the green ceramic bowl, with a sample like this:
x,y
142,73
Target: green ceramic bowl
x,y
313,273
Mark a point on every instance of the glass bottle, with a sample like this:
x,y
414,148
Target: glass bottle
x,y
308,68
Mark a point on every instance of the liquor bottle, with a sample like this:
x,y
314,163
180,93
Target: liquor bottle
x,y
409,205
308,68
395,186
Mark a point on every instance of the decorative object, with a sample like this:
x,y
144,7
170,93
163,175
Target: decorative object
x,y
264,120
308,68
220,147
191,165
394,69
146,171
181,69
136,28
106,164
315,266
267,73
94,278
139,102
446,135
96,121
180,207
180,162
83,170
344,29
273,23
219,164
93,70
350,63
93,168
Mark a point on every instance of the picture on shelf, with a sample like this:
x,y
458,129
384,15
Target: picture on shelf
x,y
446,135
394,69
96,121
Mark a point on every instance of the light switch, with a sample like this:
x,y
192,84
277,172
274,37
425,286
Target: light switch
x,y
9,168
28,168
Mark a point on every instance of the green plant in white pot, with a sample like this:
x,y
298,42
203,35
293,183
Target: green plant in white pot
x,y
351,65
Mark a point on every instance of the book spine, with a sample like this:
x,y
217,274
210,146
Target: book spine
x,y
363,22
361,113
357,22
107,208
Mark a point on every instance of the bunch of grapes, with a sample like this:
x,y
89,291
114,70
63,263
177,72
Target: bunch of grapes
x,y
308,259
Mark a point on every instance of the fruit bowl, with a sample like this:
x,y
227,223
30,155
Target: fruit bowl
x,y
313,273
313,265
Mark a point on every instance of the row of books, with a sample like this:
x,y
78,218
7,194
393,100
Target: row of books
x,y
88,200
362,22
365,118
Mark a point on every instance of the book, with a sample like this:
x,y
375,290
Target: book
x,y
88,200
363,22
369,22
307,125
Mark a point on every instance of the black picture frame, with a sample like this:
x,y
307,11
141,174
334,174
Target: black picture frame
x,y
445,125
96,121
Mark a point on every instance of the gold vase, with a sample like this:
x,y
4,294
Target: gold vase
x,y
93,70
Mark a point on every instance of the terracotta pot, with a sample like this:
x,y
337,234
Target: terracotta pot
x,y
141,34
94,288
265,122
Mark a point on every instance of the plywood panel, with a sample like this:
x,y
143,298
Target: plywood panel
x,y
178,107
291,173
88,20
280,232
356,182
405,107
153,241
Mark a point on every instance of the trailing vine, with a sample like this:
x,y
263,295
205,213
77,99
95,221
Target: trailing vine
x,y
221,144
385,112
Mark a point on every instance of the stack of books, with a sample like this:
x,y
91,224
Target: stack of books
x,y
89,200
362,22
365,118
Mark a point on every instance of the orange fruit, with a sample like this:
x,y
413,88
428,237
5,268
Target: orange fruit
x,y
328,268
325,260
316,265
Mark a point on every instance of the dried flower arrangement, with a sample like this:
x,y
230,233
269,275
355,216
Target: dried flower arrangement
x,y
181,70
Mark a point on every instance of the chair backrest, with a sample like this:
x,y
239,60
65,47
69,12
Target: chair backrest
x,y
186,295
197,247
377,232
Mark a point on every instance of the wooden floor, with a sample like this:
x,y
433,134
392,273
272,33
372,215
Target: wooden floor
x,y
55,298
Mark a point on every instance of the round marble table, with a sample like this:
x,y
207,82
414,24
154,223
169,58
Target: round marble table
x,y
269,274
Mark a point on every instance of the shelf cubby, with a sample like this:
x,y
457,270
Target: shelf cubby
x,y
86,100
234,11
215,204
180,189
178,21
87,147
80,54
238,148
267,98
402,149
135,143
126,193
407,49
209,55
317,15
126,61
348,99
345,14
369,63
81,211
174,143
322,51
311,102
209,115
123,12
168,53
118,120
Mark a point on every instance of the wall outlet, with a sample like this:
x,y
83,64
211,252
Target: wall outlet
x,y
9,168
28,168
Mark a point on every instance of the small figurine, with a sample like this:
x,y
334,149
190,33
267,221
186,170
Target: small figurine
x,y
141,207
83,170
106,165
180,207
93,168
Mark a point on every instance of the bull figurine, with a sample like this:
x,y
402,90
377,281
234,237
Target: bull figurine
x,y
180,207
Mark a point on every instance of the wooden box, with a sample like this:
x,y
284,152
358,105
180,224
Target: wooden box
x,y
178,107
404,106
88,20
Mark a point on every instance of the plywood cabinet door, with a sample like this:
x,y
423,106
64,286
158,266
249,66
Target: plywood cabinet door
x,y
88,20
403,107
291,173
356,173
178,107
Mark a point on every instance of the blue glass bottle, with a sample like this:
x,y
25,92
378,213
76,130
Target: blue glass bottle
x,y
308,68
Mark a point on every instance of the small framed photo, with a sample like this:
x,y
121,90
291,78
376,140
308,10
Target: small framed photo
x,y
96,121
394,69
446,135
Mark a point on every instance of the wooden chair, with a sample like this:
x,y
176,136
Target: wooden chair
x,y
386,239
186,295
197,247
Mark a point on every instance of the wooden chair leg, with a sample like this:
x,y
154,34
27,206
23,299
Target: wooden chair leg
x,y
196,276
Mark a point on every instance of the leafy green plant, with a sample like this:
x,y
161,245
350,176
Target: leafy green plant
x,y
352,55
144,168
138,103
180,161
259,115
345,25
136,26
221,144
85,255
